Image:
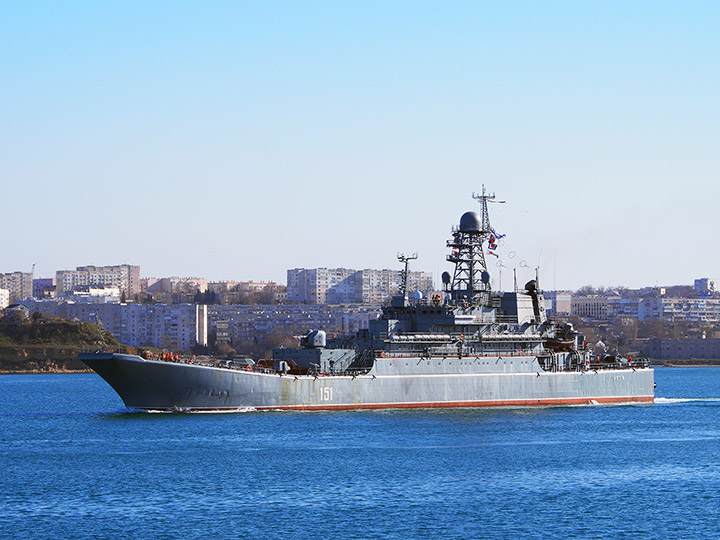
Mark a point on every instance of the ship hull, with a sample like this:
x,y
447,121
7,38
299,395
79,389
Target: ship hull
x,y
153,385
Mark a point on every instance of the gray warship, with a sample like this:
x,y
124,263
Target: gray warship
x,y
467,347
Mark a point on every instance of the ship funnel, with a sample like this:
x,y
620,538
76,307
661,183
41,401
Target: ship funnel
x,y
531,288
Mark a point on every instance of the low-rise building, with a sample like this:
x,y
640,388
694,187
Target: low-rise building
x,y
16,312
559,303
94,295
223,286
44,287
256,286
706,286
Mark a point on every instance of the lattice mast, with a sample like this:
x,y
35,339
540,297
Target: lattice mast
x,y
471,281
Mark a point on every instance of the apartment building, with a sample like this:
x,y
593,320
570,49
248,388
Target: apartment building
x,y
590,307
4,298
243,323
126,277
177,285
703,310
19,285
670,309
348,286
177,327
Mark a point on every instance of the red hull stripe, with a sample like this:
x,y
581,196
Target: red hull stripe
x,y
469,404
457,404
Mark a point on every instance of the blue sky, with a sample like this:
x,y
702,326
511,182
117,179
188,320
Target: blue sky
x,y
235,140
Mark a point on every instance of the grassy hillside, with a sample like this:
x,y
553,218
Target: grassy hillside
x,y
48,344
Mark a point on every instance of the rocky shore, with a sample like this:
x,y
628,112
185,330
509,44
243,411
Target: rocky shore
x,y
47,345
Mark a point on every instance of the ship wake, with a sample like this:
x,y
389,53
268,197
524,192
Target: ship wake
x,y
661,400
197,411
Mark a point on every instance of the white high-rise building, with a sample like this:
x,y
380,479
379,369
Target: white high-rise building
x,y
125,277
176,327
20,285
348,286
4,298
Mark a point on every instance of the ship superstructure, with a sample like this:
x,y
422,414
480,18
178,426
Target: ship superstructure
x,y
466,346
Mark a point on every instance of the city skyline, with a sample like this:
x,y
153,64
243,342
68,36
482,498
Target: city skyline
x,y
237,141
202,283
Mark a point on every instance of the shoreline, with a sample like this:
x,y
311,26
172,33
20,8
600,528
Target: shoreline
x,y
688,365
45,371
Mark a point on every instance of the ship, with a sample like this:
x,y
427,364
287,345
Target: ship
x,y
465,346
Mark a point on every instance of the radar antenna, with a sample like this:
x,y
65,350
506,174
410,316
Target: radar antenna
x,y
485,215
471,280
404,274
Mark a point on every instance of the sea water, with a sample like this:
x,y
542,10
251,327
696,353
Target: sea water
x,y
75,464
